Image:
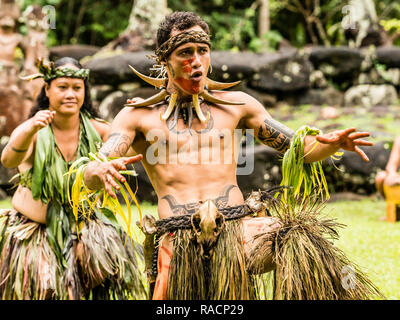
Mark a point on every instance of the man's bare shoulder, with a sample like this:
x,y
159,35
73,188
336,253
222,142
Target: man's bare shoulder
x,y
135,111
233,96
250,105
229,95
134,117
129,113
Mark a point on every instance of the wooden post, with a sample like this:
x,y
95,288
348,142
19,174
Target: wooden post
x,y
392,195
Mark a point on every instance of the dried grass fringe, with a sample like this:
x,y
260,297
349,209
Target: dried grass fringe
x,y
28,266
223,277
108,269
308,265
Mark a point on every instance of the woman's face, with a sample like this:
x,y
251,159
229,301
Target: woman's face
x,y
66,95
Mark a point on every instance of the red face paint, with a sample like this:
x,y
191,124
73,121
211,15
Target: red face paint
x,y
189,86
186,65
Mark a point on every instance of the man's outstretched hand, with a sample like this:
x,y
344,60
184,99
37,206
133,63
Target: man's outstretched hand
x,y
99,174
347,139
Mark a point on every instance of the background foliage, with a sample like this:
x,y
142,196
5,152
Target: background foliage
x,y
233,23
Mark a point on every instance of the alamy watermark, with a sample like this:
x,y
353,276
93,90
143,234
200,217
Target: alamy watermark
x,y
348,21
349,280
217,147
49,19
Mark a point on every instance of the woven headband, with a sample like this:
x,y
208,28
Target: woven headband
x,y
174,42
48,72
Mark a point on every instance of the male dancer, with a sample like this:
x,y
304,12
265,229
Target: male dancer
x,y
173,130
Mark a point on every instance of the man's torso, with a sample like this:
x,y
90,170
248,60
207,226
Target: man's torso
x,y
188,166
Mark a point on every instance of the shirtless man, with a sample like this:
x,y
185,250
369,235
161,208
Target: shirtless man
x,y
183,186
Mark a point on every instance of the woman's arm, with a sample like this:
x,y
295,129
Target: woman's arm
x,y
20,145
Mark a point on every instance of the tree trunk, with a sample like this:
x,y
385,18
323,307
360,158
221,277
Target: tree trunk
x,y
140,34
263,21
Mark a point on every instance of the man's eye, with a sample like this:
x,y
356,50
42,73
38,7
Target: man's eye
x,y
78,88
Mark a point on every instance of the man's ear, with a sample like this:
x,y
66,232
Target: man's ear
x,y
46,88
166,66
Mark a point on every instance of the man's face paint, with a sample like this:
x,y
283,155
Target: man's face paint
x,y
188,66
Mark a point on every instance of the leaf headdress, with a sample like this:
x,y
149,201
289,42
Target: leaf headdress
x,y
48,72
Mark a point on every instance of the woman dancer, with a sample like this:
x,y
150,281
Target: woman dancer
x,y
44,252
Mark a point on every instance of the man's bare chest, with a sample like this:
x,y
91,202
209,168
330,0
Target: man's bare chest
x,y
177,137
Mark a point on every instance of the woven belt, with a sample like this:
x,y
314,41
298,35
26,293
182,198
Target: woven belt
x,y
174,223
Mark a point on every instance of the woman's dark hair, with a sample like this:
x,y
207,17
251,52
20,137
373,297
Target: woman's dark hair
x,y
42,102
180,20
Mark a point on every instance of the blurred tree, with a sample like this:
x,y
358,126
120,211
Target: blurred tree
x,y
234,24
389,15
87,21
263,20
316,16
140,34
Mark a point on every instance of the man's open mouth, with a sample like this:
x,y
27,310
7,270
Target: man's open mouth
x,y
197,76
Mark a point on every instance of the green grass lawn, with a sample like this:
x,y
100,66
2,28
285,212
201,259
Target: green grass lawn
x,y
369,242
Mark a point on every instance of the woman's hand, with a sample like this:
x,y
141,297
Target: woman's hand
x,y
42,119
22,138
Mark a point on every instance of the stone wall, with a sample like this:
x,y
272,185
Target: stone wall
x,y
315,75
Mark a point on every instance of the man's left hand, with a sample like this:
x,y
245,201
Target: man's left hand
x,y
347,139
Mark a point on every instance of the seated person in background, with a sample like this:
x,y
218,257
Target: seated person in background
x,y
390,176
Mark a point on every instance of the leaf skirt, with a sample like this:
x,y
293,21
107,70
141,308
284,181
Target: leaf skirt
x,y
100,262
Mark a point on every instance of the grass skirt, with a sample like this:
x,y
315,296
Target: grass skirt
x,y
101,264
223,276
307,265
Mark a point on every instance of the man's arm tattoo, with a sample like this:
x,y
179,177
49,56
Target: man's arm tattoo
x,y
116,145
275,135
